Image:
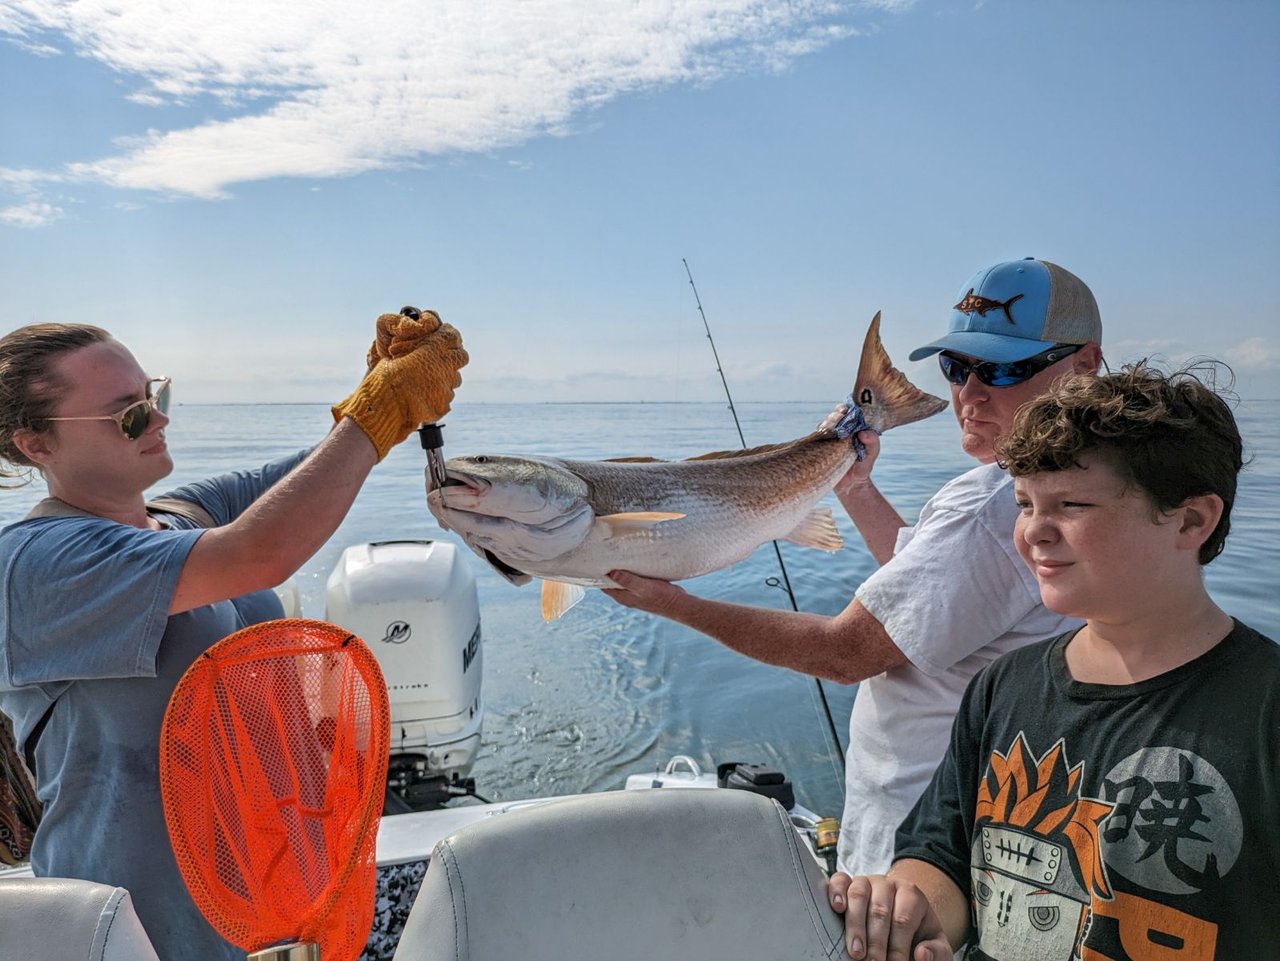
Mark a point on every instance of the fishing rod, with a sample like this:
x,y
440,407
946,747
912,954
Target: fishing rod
x,y
786,580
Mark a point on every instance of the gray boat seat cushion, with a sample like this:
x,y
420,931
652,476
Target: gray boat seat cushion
x,y
625,876
55,919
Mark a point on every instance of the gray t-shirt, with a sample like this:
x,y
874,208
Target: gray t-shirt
x,y
84,625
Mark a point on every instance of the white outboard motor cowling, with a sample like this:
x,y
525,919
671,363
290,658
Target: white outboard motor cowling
x,y
414,603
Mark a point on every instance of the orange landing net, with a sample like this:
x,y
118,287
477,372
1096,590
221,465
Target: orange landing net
x,y
273,764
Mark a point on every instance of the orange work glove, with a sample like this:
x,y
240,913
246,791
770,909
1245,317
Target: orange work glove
x,y
413,369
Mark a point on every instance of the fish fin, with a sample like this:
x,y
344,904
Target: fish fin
x,y
742,452
818,529
558,597
635,460
638,521
883,392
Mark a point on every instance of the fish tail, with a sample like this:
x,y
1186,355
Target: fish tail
x,y
883,392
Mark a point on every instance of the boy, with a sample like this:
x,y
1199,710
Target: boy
x,y
1111,793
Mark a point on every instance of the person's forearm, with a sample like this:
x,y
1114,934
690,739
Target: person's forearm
x,y
848,648
949,903
295,517
876,519
283,528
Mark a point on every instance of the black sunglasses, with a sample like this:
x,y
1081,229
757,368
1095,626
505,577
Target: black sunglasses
x,y
1002,373
134,419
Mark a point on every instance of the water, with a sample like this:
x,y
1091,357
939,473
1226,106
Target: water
x,y
578,704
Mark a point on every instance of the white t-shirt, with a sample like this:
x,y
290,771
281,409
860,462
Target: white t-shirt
x,y
954,597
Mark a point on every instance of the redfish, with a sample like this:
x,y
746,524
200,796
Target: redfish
x,y
570,522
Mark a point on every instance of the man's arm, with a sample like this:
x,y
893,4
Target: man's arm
x,y
915,911
876,519
847,648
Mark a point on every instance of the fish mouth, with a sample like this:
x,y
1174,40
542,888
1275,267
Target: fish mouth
x,y
462,492
475,484
502,567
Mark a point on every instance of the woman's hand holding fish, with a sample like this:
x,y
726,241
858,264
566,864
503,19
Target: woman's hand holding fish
x,y
413,370
644,593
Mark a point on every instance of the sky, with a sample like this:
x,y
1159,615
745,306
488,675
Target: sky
x,y
238,188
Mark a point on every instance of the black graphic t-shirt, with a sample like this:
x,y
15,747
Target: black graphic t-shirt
x,y
1135,822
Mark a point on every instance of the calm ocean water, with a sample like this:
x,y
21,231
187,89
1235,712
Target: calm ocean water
x,y
578,704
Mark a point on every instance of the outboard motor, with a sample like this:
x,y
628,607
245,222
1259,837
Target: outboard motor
x,y
414,603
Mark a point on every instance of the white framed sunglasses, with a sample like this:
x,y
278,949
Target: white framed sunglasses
x,y
134,419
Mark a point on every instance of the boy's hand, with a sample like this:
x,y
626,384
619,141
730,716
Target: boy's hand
x,y
887,917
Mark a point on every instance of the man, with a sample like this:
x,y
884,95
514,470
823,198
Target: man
x,y
1110,793
951,594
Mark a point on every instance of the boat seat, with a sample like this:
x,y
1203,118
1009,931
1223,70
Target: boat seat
x,y
53,919
629,876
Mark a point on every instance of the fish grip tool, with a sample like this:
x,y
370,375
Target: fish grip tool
x,y
432,440
273,762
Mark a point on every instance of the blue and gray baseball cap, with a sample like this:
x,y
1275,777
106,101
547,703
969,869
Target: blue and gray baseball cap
x,y
1017,309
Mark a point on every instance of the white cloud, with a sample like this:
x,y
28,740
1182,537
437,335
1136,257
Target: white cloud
x,y
31,214
1256,353
1253,353
31,210
324,88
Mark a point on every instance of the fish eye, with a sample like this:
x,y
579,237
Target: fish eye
x,y
480,459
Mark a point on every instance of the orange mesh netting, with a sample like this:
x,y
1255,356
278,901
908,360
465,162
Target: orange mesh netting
x,y
273,765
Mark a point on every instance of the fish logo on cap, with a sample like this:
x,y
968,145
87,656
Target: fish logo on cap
x,y
981,305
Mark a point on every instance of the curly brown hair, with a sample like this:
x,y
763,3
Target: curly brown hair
x,y
29,386
1171,436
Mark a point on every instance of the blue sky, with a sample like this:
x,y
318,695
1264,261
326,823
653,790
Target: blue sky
x,y
237,189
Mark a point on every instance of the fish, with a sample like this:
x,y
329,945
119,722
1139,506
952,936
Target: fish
x,y
570,522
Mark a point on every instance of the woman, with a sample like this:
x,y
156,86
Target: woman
x,y
107,599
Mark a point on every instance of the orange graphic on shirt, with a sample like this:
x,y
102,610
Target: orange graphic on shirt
x,y
1040,887
1044,798
1147,931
